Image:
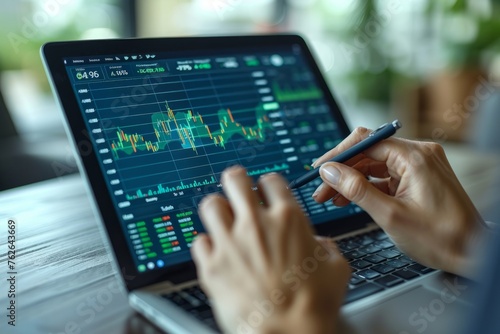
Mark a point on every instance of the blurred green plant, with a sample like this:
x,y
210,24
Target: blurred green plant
x,y
478,25
26,25
463,31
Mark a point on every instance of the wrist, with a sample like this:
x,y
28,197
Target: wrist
x,y
301,323
468,262
306,315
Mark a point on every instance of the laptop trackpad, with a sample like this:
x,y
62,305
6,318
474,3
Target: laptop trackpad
x,y
418,310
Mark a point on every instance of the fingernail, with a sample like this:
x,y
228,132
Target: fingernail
x,y
230,171
233,169
318,190
267,174
331,174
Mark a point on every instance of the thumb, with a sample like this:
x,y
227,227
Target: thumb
x,y
327,243
354,186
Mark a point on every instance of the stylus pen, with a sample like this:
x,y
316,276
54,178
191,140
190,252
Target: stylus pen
x,y
376,136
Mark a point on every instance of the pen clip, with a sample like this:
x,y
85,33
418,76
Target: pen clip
x,y
396,124
377,130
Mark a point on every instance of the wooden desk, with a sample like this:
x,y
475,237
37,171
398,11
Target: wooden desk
x,y
65,282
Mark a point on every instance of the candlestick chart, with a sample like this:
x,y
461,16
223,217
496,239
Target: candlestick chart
x,y
190,130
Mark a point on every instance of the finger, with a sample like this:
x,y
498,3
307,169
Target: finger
x,y
340,201
201,250
284,226
370,167
383,185
249,232
274,190
237,186
216,216
329,245
367,166
355,187
380,184
324,193
326,242
355,137
396,153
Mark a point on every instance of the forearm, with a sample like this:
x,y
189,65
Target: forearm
x,y
316,316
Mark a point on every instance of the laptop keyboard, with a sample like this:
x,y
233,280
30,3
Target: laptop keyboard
x,y
376,265
194,301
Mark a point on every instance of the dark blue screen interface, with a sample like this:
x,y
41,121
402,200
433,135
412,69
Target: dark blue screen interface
x,y
165,125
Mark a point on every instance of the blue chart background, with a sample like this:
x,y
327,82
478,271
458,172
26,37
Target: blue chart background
x,y
157,192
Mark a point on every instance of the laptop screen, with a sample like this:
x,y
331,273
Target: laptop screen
x,y
165,125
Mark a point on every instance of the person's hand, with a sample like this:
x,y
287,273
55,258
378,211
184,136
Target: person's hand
x,y
260,264
411,191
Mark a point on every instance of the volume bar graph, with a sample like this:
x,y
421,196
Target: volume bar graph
x,y
160,189
274,169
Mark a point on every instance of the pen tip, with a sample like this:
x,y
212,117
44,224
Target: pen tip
x,y
291,185
397,124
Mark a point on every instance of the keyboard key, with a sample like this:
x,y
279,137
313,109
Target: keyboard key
x,y
420,268
389,281
347,245
201,311
374,258
370,249
360,264
379,235
177,299
368,274
388,254
211,323
384,244
355,279
195,302
355,254
397,263
197,292
203,314
406,258
361,292
395,249
364,240
406,274
383,268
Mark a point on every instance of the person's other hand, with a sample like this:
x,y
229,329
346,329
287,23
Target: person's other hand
x,y
411,191
261,265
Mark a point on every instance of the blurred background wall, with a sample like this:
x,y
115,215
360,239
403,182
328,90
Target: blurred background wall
x,y
434,64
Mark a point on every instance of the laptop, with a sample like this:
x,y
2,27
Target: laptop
x,y
154,122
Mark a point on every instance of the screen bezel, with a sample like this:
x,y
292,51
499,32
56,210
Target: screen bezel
x,y
53,54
